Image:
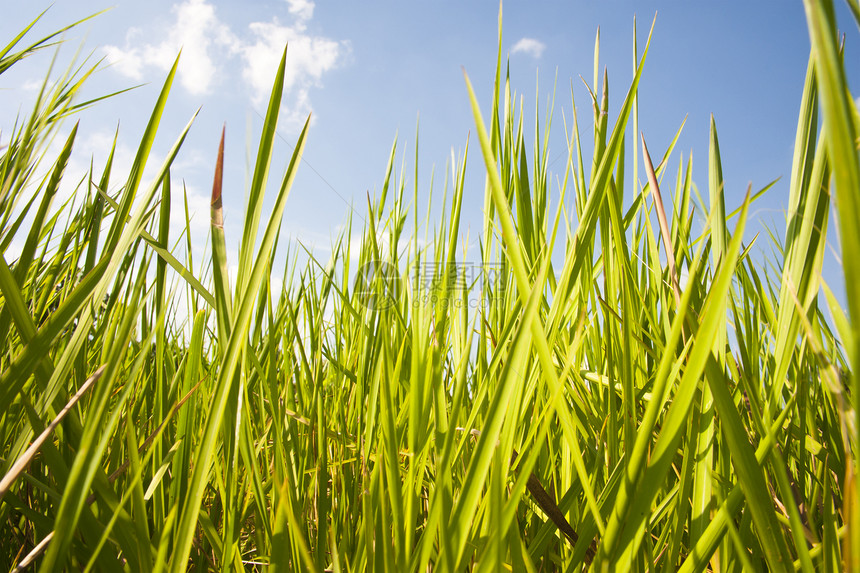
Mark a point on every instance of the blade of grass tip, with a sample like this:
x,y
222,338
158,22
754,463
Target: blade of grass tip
x,y
603,173
801,268
23,461
139,163
98,209
717,196
635,108
220,276
7,61
20,36
254,204
30,245
496,136
661,218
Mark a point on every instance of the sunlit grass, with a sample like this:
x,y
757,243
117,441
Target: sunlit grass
x,y
625,394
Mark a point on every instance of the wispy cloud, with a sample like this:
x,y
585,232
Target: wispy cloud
x,y
530,46
197,31
303,9
212,51
308,57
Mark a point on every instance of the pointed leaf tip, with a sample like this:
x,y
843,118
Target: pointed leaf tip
x,y
219,173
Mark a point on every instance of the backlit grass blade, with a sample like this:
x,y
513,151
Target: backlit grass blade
x,y
638,462
487,442
701,552
84,469
230,361
594,409
116,258
750,474
805,234
139,163
260,177
165,255
627,519
7,60
524,289
841,137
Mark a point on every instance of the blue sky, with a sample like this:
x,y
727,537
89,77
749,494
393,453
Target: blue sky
x,y
367,69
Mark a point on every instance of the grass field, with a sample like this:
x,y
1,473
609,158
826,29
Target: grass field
x,y
603,387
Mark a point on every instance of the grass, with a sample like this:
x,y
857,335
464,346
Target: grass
x,y
652,399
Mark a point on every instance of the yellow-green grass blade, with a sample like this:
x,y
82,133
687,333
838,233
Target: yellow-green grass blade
x,y
139,163
702,502
14,377
92,444
637,465
160,248
750,474
629,522
230,362
805,234
254,204
701,552
116,258
841,135
38,227
7,60
480,465
524,290
842,151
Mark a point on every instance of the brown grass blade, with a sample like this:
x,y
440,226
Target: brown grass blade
x,y
661,217
30,452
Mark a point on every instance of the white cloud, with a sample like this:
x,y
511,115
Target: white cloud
x,y
308,58
303,9
197,31
857,103
530,46
209,47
